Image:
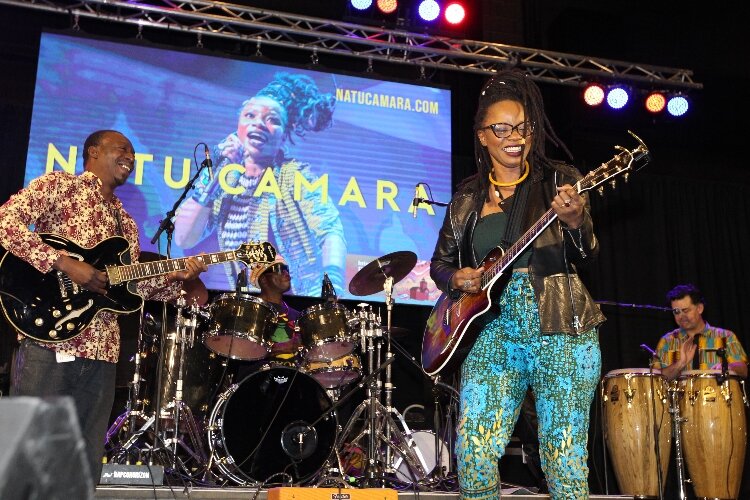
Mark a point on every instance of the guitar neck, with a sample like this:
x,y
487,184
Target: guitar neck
x,y
121,274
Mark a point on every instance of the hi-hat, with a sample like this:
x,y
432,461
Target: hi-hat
x,y
371,278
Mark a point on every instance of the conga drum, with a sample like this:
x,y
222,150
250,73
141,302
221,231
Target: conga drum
x,y
714,433
629,398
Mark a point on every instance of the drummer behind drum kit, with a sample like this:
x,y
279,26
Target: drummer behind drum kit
x,y
278,424
703,411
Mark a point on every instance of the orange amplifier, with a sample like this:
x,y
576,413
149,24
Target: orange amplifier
x,y
332,494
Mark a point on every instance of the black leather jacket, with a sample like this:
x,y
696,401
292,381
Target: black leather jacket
x,y
557,287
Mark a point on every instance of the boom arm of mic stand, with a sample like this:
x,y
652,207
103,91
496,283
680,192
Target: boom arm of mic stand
x,y
348,395
418,201
166,224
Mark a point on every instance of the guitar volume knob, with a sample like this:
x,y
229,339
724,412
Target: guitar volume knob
x,y
39,322
56,313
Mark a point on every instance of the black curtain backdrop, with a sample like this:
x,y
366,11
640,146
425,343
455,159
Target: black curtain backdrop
x,y
683,218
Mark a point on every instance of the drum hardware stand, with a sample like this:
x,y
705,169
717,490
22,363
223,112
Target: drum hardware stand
x,y
438,475
677,420
333,474
380,424
184,337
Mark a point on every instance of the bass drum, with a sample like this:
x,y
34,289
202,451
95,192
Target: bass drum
x,y
255,430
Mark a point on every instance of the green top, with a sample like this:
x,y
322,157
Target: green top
x,y
488,234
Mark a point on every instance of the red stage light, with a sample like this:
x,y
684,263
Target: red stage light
x,y
455,13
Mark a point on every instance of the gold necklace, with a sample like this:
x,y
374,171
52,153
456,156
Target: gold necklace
x,y
515,182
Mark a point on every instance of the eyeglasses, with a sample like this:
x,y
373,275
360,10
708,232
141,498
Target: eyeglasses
x,y
279,268
503,130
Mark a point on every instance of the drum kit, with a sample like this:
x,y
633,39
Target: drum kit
x,y
280,423
702,412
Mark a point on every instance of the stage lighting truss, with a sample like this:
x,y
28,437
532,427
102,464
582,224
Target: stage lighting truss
x,y
250,25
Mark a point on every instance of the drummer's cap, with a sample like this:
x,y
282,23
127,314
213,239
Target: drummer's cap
x,y
258,269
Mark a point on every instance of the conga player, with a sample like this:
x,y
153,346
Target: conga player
x,y
696,345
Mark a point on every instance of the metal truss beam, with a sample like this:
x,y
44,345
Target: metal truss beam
x,y
321,36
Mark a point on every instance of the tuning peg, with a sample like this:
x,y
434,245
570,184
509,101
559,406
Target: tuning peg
x,y
612,183
626,176
600,190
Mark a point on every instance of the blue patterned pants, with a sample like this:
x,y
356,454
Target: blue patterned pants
x,y
509,356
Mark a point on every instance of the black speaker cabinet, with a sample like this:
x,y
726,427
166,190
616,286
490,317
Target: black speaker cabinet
x,y
42,453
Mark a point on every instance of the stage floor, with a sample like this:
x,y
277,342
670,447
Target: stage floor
x,y
240,493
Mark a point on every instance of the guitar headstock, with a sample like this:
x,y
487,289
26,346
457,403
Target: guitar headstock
x,y
254,253
623,163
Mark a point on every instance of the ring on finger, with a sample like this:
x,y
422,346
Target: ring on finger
x,y
467,283
567,202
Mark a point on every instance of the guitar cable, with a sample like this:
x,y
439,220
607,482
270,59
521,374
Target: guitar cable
x,y
24,306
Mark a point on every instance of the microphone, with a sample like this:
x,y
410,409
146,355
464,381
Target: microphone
x,y
415,201
208,163
649,350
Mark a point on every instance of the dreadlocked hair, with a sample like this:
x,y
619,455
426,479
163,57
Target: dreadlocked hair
x,y
516,86
307,109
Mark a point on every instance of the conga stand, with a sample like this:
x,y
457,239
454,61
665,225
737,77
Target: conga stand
x,y
674,410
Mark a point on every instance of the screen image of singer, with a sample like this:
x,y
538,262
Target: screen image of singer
x,y
357,170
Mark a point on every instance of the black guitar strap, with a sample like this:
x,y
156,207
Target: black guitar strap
x,y
516,215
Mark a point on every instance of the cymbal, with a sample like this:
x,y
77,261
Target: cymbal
x,y
195,289
399,331
371,278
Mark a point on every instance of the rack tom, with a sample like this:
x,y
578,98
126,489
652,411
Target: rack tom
x,y
325,330
241,327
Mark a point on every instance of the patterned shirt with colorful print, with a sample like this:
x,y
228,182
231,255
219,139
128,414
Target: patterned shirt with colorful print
x,y
713,337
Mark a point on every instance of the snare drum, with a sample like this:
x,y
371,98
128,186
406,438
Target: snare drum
x,y
241,327
629,397
325,332
336,373
714,432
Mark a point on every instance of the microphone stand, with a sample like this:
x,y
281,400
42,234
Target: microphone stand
x,y
166,223
722,353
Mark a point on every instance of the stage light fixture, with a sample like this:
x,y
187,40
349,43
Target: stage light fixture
x,y
655,102
593,94
429,10
387,6
677,105
361,4
455,13
617,97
